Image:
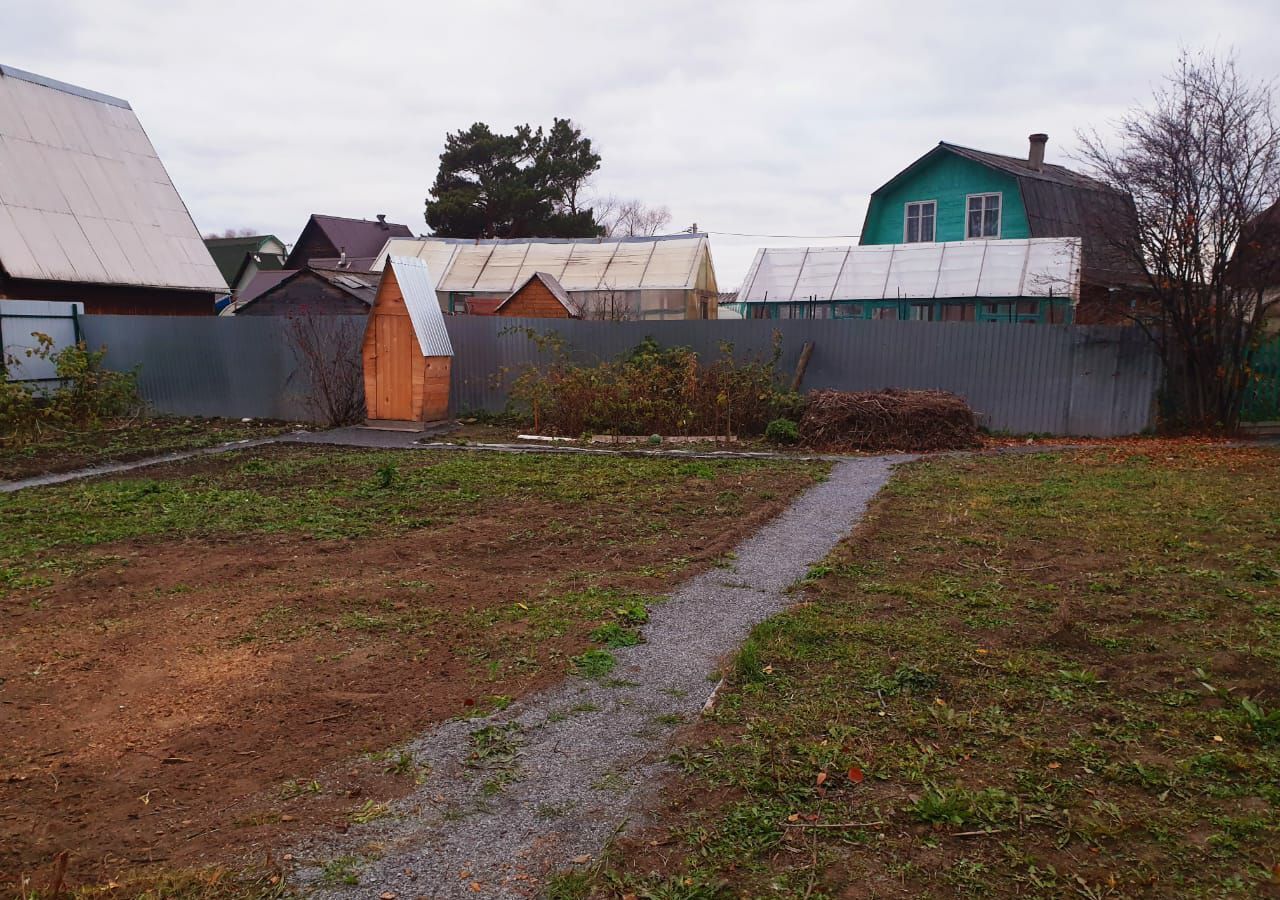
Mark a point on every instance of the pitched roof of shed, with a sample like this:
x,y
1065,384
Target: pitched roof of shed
x,y
84,196
419,293
665,262
361,286
358,237
550,283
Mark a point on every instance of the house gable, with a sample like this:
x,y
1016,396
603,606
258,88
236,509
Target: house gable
x,y
947,179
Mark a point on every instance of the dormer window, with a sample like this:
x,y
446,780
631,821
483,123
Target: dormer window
x,y
920,219
983,220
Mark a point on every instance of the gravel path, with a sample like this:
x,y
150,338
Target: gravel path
x,y
579,757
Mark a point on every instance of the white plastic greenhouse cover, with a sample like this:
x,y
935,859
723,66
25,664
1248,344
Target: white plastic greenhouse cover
x,y
669,262
83,195
1034,267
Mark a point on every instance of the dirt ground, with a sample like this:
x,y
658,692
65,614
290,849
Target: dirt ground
x,y
184,701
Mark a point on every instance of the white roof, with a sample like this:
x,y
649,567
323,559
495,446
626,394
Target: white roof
x,y
500,266
84,197
1035,267
419,294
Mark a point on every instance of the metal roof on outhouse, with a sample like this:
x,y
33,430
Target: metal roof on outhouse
x,y
85,198
663,262
419,294
1035,267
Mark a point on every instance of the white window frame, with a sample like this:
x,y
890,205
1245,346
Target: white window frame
x,y
999,216
934,203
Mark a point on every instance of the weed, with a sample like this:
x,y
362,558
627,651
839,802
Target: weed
x,y
341,870
292,789
495,744
612,634
594,663
1266,725
370,812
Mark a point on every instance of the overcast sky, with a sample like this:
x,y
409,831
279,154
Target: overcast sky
x,y
750,117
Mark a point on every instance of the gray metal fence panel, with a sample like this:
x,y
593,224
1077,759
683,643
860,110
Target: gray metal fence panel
x,y
21,320
1051,379
224,366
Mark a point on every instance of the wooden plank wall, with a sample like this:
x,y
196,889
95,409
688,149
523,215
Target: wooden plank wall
x,y
534,301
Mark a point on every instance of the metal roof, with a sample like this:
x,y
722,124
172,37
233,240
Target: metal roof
x,y
667,262
359,238
419,294
550,283
84,197
1036,267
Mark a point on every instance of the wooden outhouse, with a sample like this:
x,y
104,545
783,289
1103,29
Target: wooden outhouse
x,y
407,354
540,297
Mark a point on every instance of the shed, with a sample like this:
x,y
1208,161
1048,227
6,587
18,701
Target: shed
x,y
540,297
407,353
312,292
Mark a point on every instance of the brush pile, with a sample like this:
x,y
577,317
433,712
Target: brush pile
x,y
838,421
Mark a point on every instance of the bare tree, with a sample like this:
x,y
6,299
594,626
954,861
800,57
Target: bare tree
x,y
231,233
1201,163
630,218
327,351
608,305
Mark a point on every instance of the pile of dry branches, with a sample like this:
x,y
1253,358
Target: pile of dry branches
x,y
888,420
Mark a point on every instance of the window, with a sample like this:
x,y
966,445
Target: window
x,y
984,216
919,222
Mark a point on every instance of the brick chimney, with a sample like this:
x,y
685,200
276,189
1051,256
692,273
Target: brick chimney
x,y
1035,155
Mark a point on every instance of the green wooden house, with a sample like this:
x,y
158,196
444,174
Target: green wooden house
x,y
963,235
955,193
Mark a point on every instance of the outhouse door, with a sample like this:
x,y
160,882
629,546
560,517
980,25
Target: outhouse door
x,y
394,343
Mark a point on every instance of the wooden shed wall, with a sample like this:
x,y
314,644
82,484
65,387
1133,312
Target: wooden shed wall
x,y
534,301
400,384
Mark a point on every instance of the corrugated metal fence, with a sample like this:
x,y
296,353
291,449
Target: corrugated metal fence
x,y
21,321
1069,380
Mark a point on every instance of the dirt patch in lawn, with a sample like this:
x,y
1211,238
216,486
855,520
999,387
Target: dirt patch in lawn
x,y
187,699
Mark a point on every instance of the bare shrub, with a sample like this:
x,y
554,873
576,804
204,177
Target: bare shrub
x,y
656,390
327,352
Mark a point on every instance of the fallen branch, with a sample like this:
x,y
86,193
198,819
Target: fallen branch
x,y
831,824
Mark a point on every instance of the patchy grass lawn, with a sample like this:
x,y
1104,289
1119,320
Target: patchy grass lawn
x,y
199,661
61,451
1042,675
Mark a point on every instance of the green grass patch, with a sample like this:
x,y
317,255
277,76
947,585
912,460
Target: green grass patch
x,y
1041,675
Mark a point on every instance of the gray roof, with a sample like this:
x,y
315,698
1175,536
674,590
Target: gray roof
x,y
85,198
1021,168
557,290
419,293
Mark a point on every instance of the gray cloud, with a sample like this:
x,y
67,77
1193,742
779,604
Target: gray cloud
x,y
758,117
